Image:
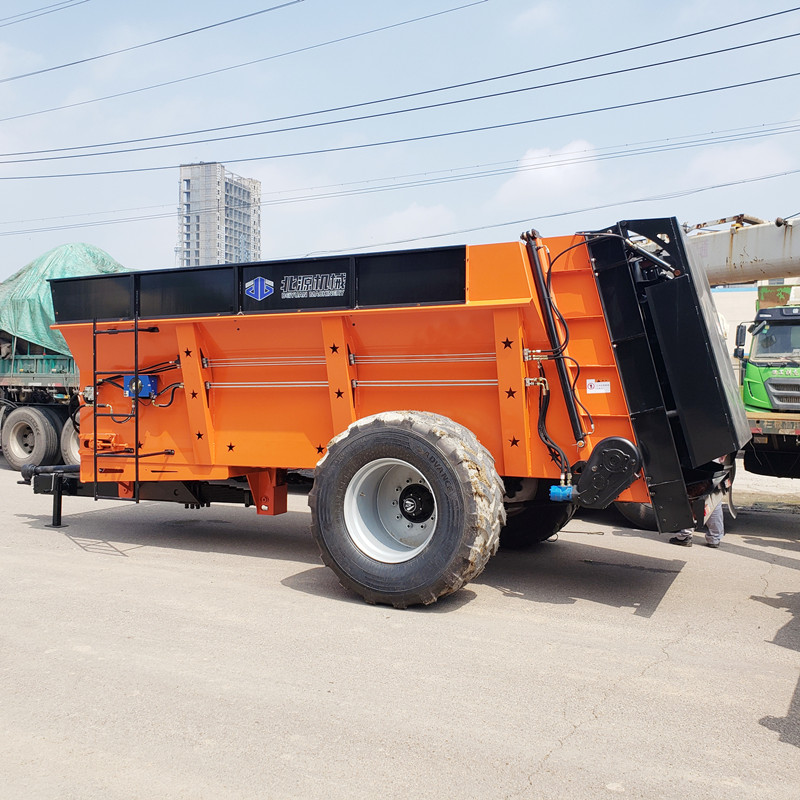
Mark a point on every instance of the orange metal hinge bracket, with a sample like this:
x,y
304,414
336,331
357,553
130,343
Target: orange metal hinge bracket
x,y
194,386
511,394
341,372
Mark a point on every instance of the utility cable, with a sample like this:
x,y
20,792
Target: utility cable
x,y
427,91
148,44
24,16
490,169
516,168
419,138
362,118
527,221
251,63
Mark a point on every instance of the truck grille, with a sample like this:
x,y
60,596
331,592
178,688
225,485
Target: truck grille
x,y
784,393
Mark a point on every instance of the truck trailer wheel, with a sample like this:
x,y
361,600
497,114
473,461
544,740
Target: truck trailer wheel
x,y
29,437
70,444
406,507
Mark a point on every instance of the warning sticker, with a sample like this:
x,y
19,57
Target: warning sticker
x,y
597,387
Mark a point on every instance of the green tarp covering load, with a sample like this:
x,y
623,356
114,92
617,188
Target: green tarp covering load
x,y
26,308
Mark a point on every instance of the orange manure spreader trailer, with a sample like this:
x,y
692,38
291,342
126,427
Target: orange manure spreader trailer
x,y
447,399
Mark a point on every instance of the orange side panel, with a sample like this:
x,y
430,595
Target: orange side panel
x,y
251,392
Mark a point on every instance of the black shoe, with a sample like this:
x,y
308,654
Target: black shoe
x,y
682,542
712,544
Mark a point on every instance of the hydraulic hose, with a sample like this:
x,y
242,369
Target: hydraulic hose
x,y
531,239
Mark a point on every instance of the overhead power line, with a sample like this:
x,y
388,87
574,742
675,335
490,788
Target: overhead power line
x,y
377,115
528,221
24,16
453,175
410,94
148,44
535,219
423,137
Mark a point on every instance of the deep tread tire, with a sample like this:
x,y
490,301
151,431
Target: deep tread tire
x,y
70,444
29,437
465,486
535,521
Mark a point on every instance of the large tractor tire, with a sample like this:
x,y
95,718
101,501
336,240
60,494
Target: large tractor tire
x,y
30,436
533,520
406,507
70,444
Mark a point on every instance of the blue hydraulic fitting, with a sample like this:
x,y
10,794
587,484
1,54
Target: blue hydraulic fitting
x,y
562,494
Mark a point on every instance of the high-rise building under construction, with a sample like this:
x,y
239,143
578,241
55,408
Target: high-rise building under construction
x,y
219,217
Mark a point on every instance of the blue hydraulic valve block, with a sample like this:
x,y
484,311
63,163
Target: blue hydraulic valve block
x,y
562,494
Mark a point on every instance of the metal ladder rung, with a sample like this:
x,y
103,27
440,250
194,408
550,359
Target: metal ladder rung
x,y
132,453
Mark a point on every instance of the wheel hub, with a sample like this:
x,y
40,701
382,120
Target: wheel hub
x,y
23,439
389,510
416,503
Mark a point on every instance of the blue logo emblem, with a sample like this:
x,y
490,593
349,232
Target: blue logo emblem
x,y
259,288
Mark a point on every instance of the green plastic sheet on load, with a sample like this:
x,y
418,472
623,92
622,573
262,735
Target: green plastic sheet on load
x,y
26,307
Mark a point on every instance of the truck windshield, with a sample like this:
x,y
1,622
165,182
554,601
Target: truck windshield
x,y
776,341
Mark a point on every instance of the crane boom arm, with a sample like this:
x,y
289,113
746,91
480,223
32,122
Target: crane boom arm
x,y
747,253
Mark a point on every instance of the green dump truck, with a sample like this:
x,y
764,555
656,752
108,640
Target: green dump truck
x,y
770,378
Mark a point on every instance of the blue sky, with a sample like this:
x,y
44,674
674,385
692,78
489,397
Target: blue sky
x,y
578,172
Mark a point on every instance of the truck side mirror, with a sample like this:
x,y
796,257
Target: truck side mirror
x,y
741,335
738,352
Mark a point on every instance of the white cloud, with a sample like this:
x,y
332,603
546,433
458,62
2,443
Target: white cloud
x,y
544,15
339,232
552,174
14,60
412,221
738,161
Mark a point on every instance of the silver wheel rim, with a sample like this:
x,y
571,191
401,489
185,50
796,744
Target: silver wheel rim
x,y
72,446
21,440
390,511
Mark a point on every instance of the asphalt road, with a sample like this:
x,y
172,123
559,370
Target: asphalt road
x,y
152,652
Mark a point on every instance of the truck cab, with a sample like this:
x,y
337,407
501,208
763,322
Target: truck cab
x,y
770,378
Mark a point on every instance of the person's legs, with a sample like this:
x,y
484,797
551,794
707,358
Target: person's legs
x,y
715,527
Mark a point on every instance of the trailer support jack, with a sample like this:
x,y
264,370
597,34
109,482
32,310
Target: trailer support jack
x,y
57,477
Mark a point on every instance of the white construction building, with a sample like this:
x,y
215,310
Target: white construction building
x,y
219,217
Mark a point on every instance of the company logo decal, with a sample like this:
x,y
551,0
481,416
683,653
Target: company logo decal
x,y
789,371
259,288
302,286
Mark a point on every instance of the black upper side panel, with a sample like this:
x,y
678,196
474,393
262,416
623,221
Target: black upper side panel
x,y
96,297
432,276
173,294
402,278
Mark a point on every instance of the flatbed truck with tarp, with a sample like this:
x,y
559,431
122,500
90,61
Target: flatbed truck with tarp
x,y
38,377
